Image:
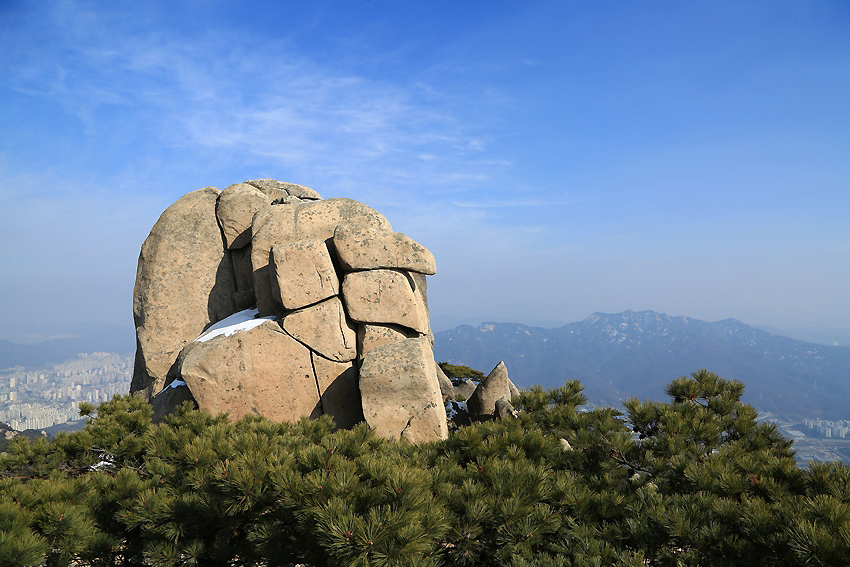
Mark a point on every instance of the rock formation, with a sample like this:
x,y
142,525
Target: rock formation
x,y
184,283
404,372
482,402
265,299
463,389
447,389
505,410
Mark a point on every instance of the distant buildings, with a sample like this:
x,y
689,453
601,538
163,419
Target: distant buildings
x,y
829,429
36,399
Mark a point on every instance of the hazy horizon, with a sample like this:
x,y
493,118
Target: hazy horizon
x,y
559,159
36,334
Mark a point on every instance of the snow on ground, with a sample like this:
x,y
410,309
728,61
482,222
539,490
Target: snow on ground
x,y
242,321
453,408
107,461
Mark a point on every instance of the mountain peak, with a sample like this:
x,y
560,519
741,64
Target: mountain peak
x,y
634,321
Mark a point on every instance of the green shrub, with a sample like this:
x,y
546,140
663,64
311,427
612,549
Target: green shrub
x,y
694,481
460,372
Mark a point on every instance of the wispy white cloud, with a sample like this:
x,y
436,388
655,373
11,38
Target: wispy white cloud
x,y
262,101
514,202
403,146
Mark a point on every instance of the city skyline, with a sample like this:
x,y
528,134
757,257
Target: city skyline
x,y
37,398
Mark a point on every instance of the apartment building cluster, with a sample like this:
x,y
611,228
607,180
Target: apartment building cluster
x,y
829,429
36,399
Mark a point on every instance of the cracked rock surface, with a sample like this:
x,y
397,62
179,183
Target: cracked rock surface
x,y
404,372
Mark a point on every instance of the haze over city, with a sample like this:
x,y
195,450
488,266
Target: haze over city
x,y
558,158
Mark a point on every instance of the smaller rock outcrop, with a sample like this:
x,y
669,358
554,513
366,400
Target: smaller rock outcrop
x,y
482,402
513,389
446,388
464,389
170,398
505,410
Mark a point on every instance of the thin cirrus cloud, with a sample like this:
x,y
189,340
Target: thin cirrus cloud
x,y
510,203
264,102
244,104
146,107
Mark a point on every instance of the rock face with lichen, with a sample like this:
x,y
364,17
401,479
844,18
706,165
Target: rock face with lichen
x,y
265,299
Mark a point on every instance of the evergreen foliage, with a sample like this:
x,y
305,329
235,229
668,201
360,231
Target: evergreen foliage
x,y
693,481
459,372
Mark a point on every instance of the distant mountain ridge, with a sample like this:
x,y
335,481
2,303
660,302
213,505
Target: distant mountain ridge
x,y
637,353
821,335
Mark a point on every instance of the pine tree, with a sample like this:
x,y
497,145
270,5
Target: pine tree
x,y
720,479
19,544
693,481
460,372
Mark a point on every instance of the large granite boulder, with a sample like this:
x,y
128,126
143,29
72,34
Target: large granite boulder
x,y
339,390
264,299
244,276
280,190
278,225
303,273
325,329
384,296
400,394
235,211
257,371
362,247
420,288
184,282
371,335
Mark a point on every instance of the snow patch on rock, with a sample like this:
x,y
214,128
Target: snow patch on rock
x,y
241,321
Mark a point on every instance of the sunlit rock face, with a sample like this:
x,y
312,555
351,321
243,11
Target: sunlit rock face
x,y
184,283
265,299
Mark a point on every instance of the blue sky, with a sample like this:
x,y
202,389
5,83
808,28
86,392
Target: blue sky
x,y
558,157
